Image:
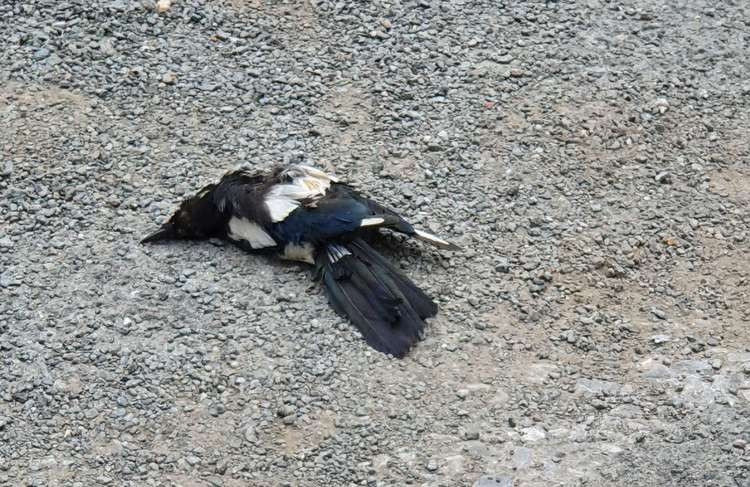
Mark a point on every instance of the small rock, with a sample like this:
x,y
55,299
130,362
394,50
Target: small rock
x,y
432,465
659,339
249,433
221,466
502,265
471,434
661,105
106,46
378,34
533,434
569,336
163,5
217,409
7,280
169,78
507,59
663,178
286,410
41,53
659,313
7,169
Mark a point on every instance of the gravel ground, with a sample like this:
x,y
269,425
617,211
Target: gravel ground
x,y
591,157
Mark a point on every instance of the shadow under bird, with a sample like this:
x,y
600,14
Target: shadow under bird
x,y
307,215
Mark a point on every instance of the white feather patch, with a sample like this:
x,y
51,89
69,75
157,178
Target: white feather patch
x,y
302,253
279,207
244,229
432,238
307,183
368,222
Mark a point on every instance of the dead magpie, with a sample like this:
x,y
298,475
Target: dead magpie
x,y
307,215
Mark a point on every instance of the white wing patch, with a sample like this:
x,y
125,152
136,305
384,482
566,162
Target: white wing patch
x,y
302,253
244,229
307,183
280,207
368,222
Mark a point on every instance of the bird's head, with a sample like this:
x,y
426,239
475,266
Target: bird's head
x,y
196,218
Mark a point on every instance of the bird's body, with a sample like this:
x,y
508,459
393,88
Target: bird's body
x,y
309,216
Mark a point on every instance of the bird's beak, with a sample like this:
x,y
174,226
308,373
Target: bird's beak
x,y
166,232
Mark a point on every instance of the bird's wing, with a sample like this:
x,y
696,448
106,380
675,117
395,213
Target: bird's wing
x,y
299,185
302,204
326,218
318,208
258,202
240,195
379,215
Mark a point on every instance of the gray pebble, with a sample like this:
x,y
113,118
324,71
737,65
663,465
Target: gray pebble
x,y
502,265
41,53
658,313
663,177
7,169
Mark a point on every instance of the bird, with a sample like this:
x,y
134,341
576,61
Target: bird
x,y
304,214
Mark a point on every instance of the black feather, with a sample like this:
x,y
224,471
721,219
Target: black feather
x,y
422,304
392,219
386,307
241,193
347,300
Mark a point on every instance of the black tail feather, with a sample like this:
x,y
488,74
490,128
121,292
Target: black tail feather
x,y
387,308
422,304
